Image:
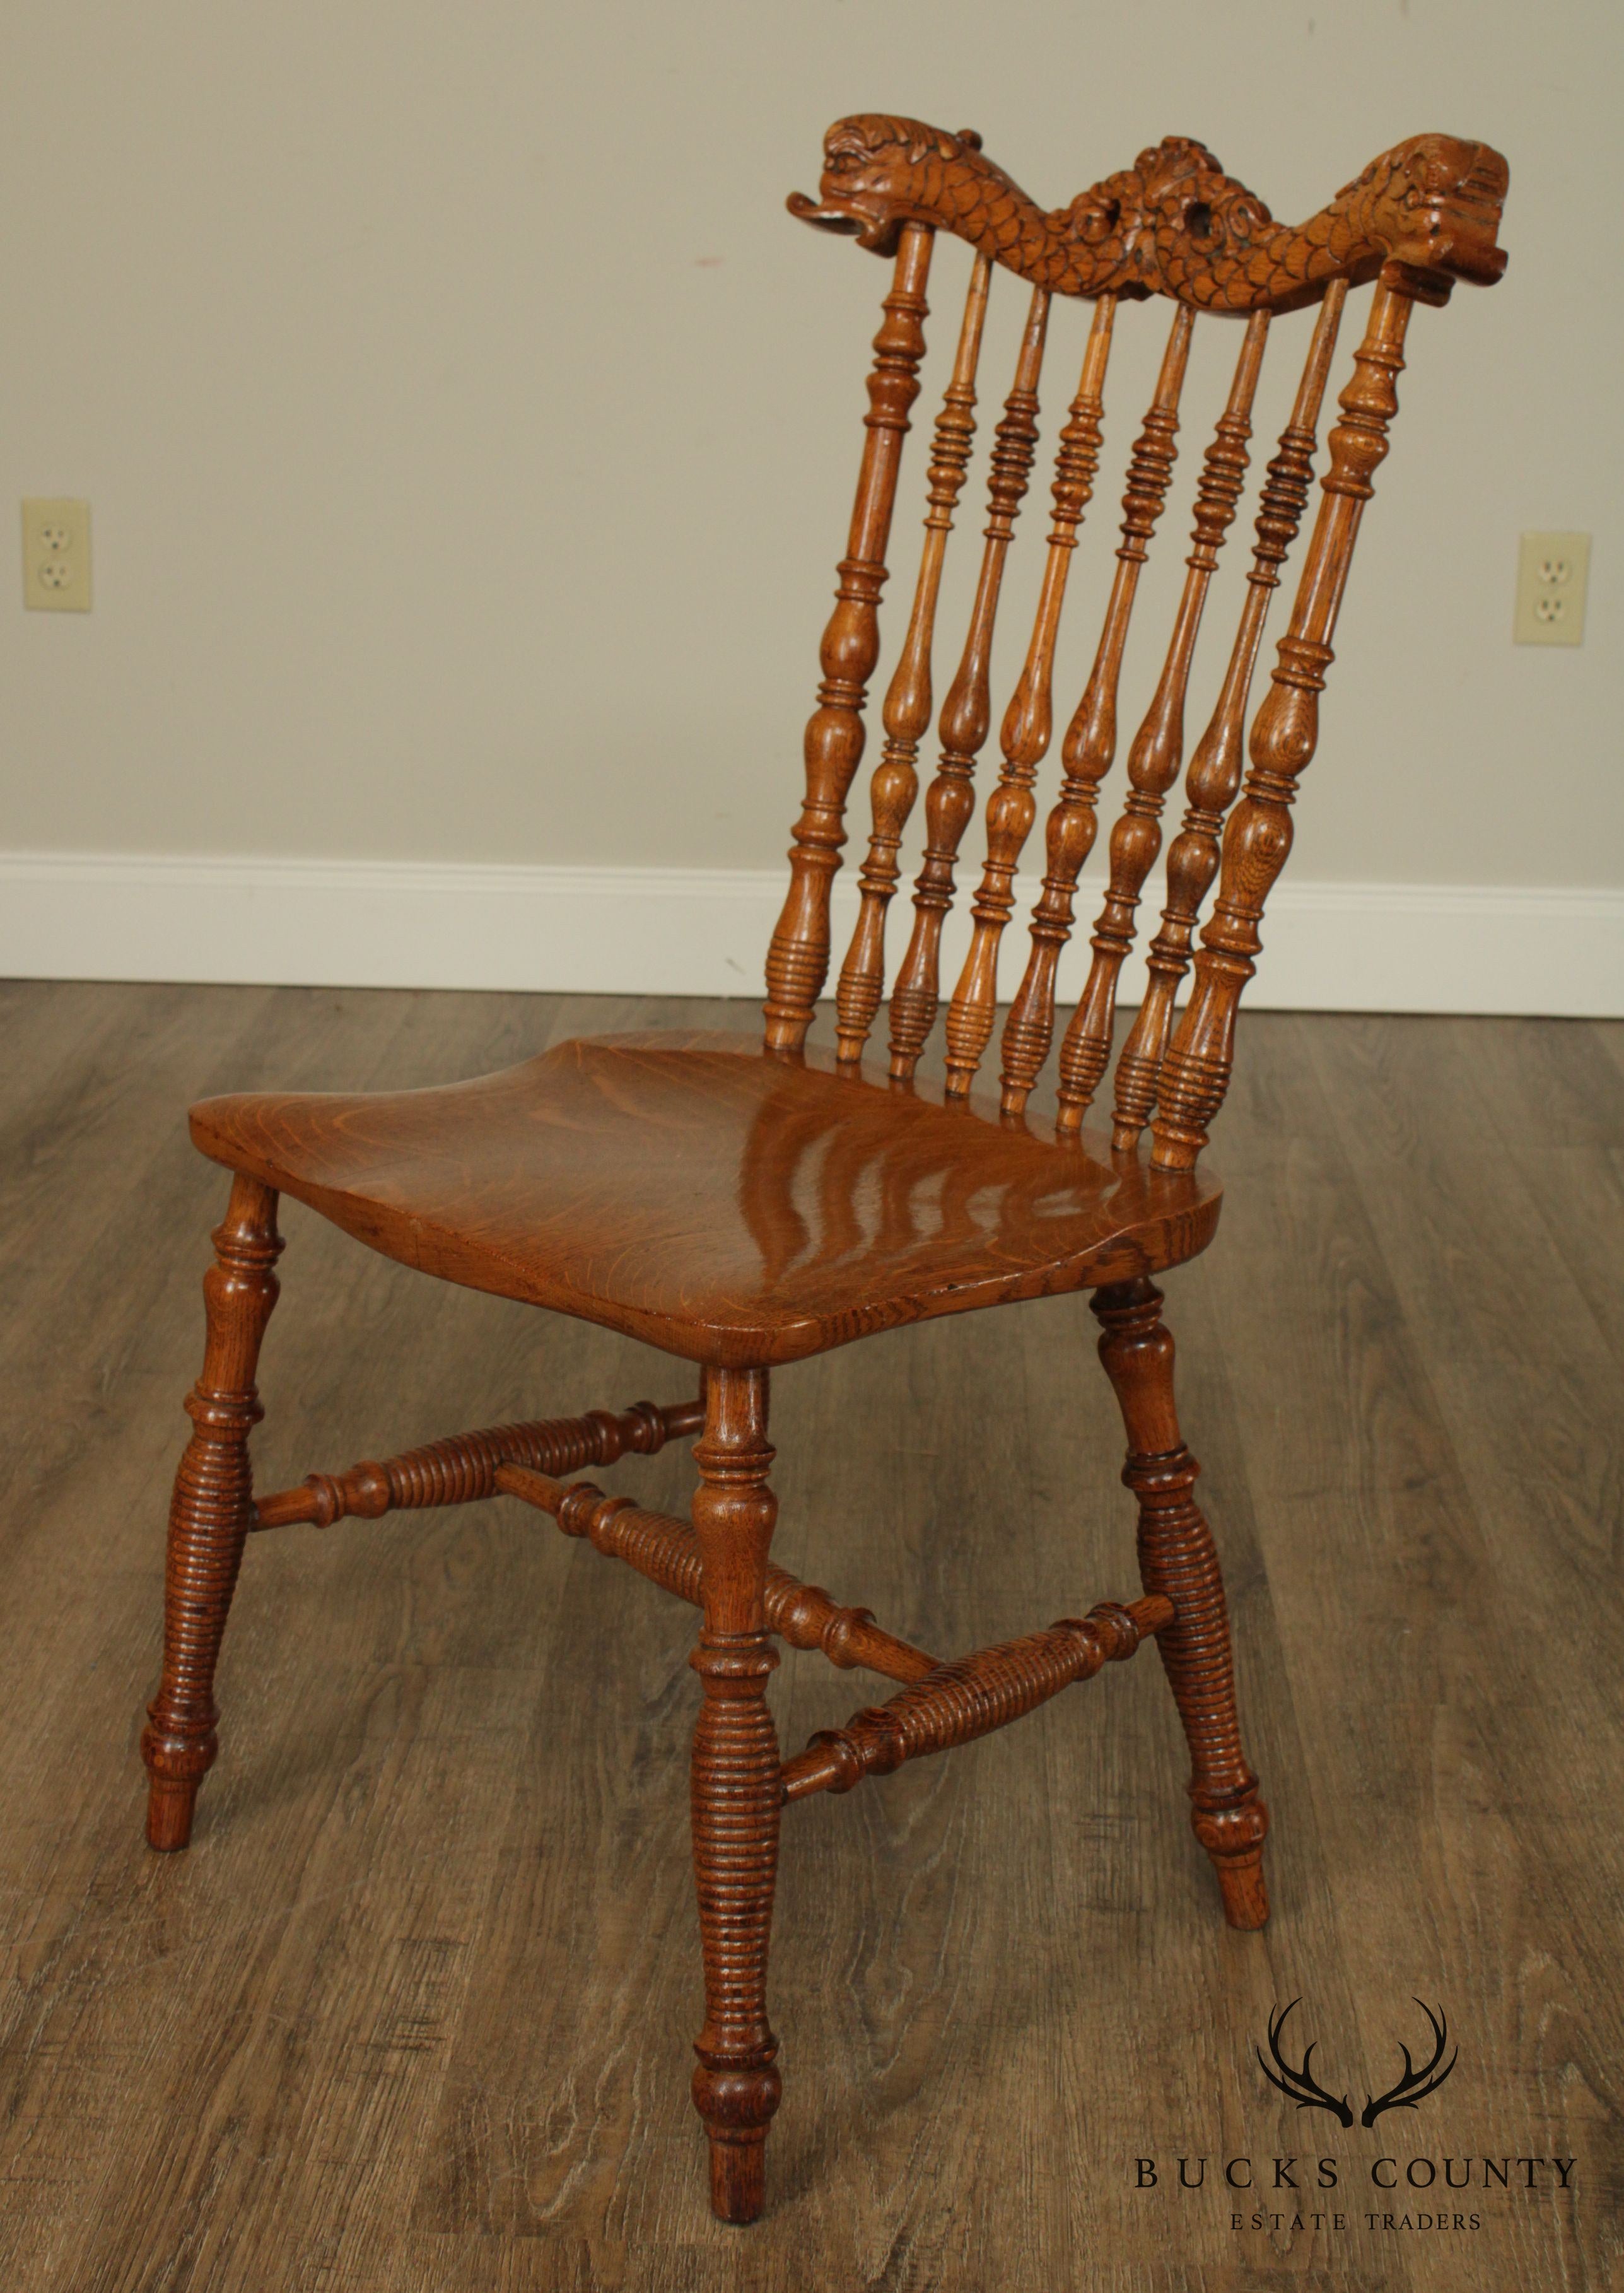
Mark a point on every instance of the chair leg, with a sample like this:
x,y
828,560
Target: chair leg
x,y
1177,1558
209,1511
735,1787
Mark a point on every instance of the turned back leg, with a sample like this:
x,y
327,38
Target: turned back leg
x,y
1178,1559
209,1511
736,1792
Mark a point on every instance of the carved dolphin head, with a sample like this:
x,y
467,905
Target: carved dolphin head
x,y
879,174
1437,203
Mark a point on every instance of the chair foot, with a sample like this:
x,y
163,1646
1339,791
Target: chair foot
x,y
738,2179
1241,1883
738,2152
169,1812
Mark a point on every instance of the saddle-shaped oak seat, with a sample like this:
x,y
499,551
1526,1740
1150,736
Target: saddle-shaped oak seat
x,y
713,1199
744,1204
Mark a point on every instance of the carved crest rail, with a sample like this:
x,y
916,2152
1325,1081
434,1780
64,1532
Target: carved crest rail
x,y
1420,218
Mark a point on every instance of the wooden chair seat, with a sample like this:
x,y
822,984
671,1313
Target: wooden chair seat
x,y
712,1199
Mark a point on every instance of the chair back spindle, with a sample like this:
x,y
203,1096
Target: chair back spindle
x,y
1213,778
1090,744
1028,721
1285,734
1157,751
907,712
797,960
966,714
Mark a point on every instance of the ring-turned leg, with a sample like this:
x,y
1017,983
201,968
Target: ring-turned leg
x,y
736,2086
208,1513
1177,1558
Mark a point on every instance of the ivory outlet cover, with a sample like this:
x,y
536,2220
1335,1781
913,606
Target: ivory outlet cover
x,y
56,556
1553,572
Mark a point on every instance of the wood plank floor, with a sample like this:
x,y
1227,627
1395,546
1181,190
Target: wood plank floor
x,y
413,2015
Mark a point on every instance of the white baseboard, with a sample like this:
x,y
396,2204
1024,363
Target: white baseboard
x,y
703,931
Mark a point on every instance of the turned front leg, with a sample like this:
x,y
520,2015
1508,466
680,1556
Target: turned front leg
x,y
736,1791
208,1513
1178,1559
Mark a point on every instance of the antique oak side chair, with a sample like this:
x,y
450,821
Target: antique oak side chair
x,y
742,1203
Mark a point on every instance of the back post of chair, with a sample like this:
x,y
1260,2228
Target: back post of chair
x,y
1285,735
797,960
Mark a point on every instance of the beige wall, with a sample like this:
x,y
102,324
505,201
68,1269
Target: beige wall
x,y
468,428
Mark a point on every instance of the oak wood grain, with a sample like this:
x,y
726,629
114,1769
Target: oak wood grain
x,y
721,1203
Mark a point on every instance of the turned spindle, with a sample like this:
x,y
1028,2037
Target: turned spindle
x,y
973,1695
1157,751
1029,720
463,1468
1091,737
966,714
666,1551
907,712
1213,778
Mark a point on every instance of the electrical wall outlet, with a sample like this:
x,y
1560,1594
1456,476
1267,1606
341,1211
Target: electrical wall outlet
x,y
56,556
1553,570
